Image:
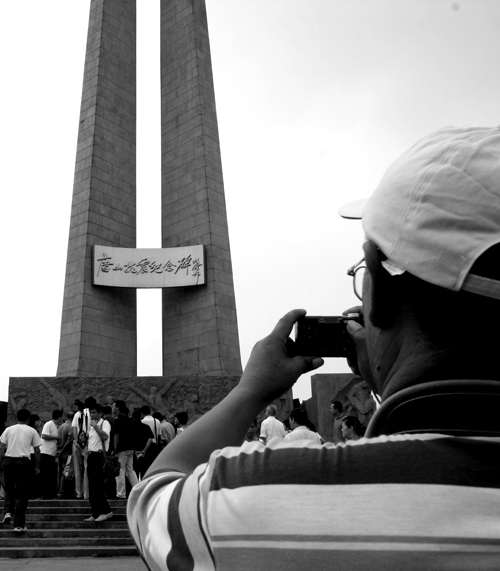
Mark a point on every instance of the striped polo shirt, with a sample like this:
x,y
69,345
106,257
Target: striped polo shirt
x,y
391,503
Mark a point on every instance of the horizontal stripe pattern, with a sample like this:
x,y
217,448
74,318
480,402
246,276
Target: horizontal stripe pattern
x,y
424,459
297,506
383,541
251,559
392,510
365,545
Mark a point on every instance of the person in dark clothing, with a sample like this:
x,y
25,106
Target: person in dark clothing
x,y
98,443
143,437
124,447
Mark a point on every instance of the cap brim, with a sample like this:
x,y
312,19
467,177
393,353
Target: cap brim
x,y
353,210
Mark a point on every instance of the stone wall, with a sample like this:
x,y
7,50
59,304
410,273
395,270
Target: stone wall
x,y
195,394
168,395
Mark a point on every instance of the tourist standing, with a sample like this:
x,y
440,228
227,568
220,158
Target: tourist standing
x,y
15,446
48,455
338,414
300,431
271,427
143,438
65,447
80,427
124,448
154,447
98,444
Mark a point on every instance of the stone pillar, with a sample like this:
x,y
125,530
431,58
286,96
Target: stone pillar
x,y
200,334
98,332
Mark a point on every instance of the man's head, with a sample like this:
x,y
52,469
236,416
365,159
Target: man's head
x,y
298,418
57,417
336,408
252,429
95,412
181,418
77,405
120,407
89,403
145,410
432,250
271,410
23,415
351,428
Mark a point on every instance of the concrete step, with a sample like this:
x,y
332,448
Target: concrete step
x,y
69,518
70,504
26,540
79,524
91,551
56,529
68,534
57,510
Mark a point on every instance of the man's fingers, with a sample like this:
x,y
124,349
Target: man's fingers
x,y
312,363
354,309
285,325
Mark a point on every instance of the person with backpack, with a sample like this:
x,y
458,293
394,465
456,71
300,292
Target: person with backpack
x,y
81,426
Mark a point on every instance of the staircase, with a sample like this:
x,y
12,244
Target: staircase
x,y
56,529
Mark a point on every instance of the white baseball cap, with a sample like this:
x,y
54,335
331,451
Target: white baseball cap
x,y
437,208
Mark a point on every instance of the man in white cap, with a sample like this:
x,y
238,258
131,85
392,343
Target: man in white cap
x,y
422,490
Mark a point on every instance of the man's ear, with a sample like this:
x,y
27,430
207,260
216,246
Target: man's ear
x,y
383,305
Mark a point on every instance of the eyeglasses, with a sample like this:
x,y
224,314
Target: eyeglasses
x,y
357,272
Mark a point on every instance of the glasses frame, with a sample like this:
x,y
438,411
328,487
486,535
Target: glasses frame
x,y
352,271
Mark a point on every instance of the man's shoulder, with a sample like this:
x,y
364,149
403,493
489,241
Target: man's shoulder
x,y
7,432
121,421
50,427
19,428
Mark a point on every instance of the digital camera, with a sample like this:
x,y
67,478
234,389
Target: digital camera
x,y
323,336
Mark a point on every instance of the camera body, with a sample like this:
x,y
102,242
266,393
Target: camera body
x,y
323,336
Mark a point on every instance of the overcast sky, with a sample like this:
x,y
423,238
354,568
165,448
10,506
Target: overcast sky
x,y
315,98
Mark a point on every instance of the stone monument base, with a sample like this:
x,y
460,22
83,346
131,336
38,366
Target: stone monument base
x,y
325,388
195,394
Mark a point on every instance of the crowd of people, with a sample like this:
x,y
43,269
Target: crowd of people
x,y
65,457
94,452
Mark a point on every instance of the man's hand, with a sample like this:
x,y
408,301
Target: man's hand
x,y
271,370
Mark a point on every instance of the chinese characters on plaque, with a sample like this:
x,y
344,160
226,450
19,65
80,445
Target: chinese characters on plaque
x,y
149,267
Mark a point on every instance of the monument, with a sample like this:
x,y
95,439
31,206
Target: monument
x,y
98,343
98,333
350,390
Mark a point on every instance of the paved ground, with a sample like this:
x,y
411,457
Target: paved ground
x,y
69,564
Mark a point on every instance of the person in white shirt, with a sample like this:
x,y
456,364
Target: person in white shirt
x,y
48,455
181,421
15,447
98,444
155,447
298,424
271,427
80,427
168,432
